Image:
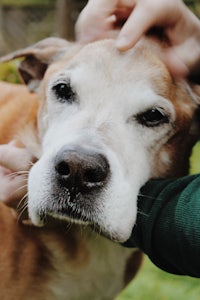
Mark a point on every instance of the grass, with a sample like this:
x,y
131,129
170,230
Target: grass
x,y
153,283
26,2
195,159
8,72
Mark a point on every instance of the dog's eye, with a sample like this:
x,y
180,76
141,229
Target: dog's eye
x,y
153,117
64,92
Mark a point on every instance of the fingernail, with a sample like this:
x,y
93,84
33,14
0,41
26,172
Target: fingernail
x,y
122,43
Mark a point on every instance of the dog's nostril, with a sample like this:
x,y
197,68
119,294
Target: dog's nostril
x,y
96,174
63,168
93,176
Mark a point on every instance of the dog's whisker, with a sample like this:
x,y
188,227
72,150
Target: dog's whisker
x,y
25,184
68,226
22,211
20,189
97,230
23,208
22,201
140,212
17,190
21,172
81,230
17,173
23,204
147,196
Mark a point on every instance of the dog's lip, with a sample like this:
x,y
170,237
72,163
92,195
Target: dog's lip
x,y
54,219
65,214
57,219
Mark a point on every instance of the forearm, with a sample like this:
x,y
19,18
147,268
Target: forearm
x,y
168,225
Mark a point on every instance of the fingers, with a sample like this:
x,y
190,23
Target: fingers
x,y
145,15
179,60
95,20
174,63
136,25
12,187
14,162
15,159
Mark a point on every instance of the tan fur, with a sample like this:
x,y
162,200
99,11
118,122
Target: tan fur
x,y
62,259
18,107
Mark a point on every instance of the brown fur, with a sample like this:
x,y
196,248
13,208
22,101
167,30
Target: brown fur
x,y
18,107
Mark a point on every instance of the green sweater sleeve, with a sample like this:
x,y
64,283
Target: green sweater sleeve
x,y
168,224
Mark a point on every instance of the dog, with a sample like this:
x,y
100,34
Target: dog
x,y
13,101
107,122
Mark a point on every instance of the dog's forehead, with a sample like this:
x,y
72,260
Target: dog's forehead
x,y
100,65
103,56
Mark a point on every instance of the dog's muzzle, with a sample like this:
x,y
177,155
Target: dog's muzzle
x,y
79,177
73,186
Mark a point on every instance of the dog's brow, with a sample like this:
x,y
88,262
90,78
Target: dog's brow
x,y
72,66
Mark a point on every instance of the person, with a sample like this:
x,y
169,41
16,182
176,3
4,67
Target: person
x,y
100,18
168,221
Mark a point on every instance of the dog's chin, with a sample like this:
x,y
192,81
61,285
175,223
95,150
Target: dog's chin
x,y
54,218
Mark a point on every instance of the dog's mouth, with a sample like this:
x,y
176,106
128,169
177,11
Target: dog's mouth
x,y
71,213
71,207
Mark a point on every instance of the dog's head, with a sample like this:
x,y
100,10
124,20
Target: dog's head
x,y
108,122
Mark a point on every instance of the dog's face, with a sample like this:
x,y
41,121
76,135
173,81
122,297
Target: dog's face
x,y
108,122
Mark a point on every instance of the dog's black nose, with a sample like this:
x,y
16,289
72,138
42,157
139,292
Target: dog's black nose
x,y
81,169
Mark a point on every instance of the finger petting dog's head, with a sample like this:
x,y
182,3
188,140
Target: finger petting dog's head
x,y
108,122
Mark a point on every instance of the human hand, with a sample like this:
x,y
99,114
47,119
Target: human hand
x,y
179,24
100,18
15,163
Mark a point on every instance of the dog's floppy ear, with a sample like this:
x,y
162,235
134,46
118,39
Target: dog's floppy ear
x,y
37,58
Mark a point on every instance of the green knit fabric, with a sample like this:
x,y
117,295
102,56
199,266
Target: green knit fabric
x,y
168,224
